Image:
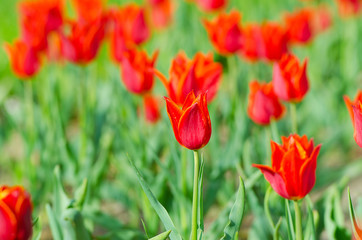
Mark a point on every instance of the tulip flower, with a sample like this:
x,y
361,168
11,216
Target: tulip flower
x,y
24,60
129,29
290,79
137,71
15,213
89,10
299,26
225,32
355,111
293,171
151,108
349,7
161,12
275,41
200,74
211,5
82,44
263,104
253,44
191,124
37,19
322,19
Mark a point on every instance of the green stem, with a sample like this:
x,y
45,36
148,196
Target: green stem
x,y
293,113
274,130
266,207
194,197
298,222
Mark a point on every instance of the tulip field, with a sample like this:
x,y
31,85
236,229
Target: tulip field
x,y
180,119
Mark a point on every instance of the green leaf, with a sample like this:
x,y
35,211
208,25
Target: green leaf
x,y
54,224
291,234
200,217
236,214
310,225
351,210
162,236
76,219
276,229
157,206
61,201
81,194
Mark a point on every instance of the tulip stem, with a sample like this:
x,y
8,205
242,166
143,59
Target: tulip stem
x,y
194,197
266,207
293,113
298,222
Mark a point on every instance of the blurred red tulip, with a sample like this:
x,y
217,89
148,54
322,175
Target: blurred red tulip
x,y
263,105
225,32
151,108
253,44
322,19
161,12
129,29
299,25
82,44
24,60
37,19
275,41
89,10
349,7
137,71
294,163
211,5
15,213
191,124
200,74
290,79
355,111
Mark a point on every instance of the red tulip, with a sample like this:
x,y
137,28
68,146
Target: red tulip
x,y
299,26
275,41
290,78
24,60
253,46
355,111
82,44
200,74
129,29
349,7
225,32
37,19
15,213
161,12
322,19
263,104
151,108
211,5
137,71
191,124
294,164
89,10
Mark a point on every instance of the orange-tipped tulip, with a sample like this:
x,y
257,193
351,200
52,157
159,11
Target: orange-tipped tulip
x,y
263,105
299,26
161,12
201,74
89,10
37,19
151,106
253,44
211,5
137,71
275,41
290,78
15,214
349,7
225,32
355,111
293,171
24,60
82,44
191,124
129,29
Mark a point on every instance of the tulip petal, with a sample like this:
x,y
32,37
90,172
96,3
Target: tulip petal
x,y
277,155
357,112
275,179
189,100
174,113
8,223
308,172
194,129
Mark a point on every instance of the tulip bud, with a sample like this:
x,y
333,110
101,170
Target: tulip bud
x,y
191,124
355,111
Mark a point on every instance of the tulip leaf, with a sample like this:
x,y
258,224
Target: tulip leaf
x,y
290,224
54,224
200,216
81,194
76,219
162,236
236,214
61,201
157,206
351,210
310,231
276,229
